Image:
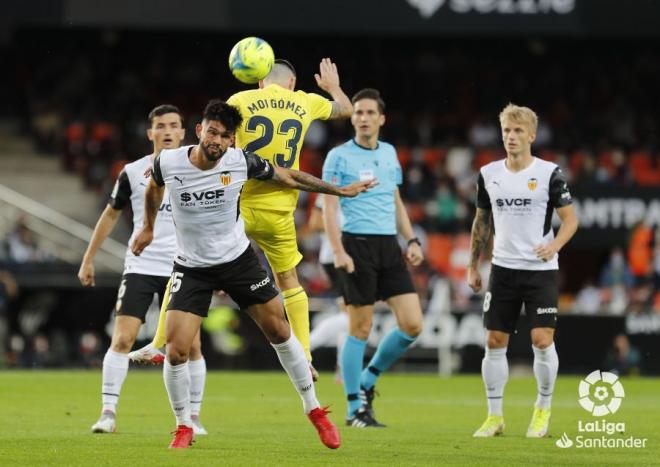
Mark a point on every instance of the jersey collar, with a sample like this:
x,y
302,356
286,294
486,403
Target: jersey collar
x,y
364,147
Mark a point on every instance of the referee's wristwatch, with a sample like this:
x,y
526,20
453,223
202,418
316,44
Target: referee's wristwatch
x,y
414,240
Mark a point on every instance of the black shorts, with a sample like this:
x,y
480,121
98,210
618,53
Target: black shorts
x,y
243,279
136,292
380,272
509,289
333,278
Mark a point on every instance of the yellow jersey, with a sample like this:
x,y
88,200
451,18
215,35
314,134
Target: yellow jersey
x,y
275,121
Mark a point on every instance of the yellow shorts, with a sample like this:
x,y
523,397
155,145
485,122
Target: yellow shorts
x,y
275,233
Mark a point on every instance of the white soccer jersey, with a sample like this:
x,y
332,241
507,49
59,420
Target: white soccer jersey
x,y
157,258
522,204
205,203
326,254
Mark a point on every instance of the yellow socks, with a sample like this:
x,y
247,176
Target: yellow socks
x,y
159,338
296,304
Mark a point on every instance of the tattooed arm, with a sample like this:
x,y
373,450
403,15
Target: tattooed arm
x,y
306,182
479,242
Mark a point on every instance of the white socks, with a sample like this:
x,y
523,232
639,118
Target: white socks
x,y
197,370
546,363
327,331
292,357
115,367
495,373
177,382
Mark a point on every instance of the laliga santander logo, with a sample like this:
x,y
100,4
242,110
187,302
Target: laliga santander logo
x,y
601,393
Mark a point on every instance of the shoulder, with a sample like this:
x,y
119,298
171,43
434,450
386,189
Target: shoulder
x,y
170,155
339,151
386,148
549,170
546,165
235,156
239,96
492,168
138,165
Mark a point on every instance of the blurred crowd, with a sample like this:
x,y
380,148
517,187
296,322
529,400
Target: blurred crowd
x,y
597,104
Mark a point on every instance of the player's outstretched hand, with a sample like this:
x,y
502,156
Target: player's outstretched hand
x,y
545,252
142,240
356,188
474,279
86,274
414,254
344,261
328,77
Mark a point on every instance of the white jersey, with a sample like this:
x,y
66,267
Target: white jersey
x,y
205,203
326,254
131,185
522,204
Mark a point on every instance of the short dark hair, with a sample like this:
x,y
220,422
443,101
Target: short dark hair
x,y
219,111
163,109
286,63
370,93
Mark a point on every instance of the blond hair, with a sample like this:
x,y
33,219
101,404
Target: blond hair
x,y
520,114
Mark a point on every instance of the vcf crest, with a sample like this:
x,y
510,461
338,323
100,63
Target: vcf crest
x,y
532,183
225,178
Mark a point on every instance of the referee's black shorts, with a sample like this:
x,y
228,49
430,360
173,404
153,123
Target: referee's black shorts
x,y
380,271
510,289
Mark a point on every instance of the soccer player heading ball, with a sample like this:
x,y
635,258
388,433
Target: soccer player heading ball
x,y
205,182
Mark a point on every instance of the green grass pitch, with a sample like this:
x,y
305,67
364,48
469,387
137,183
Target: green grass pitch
x,y
256,419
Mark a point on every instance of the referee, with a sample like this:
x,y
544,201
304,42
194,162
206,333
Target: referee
x,y
367,254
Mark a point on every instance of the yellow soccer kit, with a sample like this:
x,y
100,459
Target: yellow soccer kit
x,y
275,121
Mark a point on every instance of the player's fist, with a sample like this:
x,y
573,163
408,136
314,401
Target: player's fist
x,y
142,240
356,188
86,274
414,254
474,279
344,261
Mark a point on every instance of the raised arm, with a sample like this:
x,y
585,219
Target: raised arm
x,y
328,80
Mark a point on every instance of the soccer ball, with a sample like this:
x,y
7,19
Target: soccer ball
x,y
251,59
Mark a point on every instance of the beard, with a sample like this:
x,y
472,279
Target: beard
x,y
211,155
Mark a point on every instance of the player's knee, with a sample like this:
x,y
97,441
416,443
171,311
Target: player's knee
x,y
177,355
122,342
496,341
412,328
195,351
361,329
542,340
276,330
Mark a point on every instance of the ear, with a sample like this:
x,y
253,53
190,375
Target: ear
x,y
262,84
292,83
198,130
150,134
532,138
381,119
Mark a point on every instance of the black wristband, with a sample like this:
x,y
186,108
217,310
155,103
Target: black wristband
x,y
414,240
